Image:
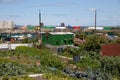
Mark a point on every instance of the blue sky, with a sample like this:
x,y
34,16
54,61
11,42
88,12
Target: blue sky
x,y
54,12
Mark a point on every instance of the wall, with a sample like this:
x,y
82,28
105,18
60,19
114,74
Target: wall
x,y
12,46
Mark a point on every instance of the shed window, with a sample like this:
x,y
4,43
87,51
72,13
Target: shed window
x,y
70,41
65,42
57,42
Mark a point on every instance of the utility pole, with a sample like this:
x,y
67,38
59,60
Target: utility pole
x,y
40,36
40,23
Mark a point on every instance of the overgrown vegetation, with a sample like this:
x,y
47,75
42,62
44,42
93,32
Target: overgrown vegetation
x,y
25,60
90,57
91,66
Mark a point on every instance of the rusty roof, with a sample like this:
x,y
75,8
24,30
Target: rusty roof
x,y
111,50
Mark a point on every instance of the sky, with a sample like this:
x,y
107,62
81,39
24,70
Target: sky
x,y
54,12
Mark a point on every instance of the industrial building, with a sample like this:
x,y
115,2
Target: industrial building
x,y
6,25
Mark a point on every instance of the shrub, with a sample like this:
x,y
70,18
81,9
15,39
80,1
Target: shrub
x,y
11,68
23,50
52,61
111,65
44,55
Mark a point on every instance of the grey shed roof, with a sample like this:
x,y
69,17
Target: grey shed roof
x,y
60,33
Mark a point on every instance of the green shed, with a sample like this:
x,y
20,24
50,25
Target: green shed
x,y
107,28
30,27
48,27
58,38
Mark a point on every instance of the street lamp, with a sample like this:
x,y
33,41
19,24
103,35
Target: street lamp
x,y
95,17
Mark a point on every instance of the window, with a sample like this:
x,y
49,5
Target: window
x,y
65,42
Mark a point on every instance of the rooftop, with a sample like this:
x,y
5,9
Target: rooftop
x,y
60,33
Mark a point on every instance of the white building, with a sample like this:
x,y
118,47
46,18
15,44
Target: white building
x,y
6,24
97,28
1,24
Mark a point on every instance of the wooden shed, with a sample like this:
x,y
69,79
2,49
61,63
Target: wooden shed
x,y
58,38
111,50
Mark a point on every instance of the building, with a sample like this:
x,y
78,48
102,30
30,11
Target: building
x,y
107,28
76,28
48,28
6,24
111,50
1,24
58,38
97,28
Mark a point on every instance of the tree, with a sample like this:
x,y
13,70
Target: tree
x,y
94,42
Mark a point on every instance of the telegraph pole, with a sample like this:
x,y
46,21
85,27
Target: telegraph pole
x,y
40,36
40,22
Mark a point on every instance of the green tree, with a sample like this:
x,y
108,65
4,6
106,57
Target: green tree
x,y
94,42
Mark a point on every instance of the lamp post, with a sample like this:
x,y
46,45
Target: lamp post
x,y
95,17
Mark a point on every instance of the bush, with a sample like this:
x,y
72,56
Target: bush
x,y
86,62
11,68
94,42
52,61
23,50
45,56
111,65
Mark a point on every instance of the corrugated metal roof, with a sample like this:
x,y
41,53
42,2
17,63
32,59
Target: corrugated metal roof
x,y
60,27
60,33
111,50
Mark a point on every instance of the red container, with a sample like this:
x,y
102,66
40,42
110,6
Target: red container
x,y
76,28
